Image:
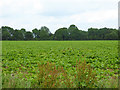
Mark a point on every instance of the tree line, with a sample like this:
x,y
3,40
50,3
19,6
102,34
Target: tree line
x,y
71,33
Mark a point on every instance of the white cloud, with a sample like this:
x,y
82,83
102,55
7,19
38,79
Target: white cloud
x,y
96,16
54,14
20,7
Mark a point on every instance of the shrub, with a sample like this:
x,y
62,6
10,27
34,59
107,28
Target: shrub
x,y
85,76
50,76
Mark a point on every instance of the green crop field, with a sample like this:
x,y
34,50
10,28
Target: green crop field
x,y
24,61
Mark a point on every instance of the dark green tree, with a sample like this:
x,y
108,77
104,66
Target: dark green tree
x,y
44,33
74,33
51,36
36,33
62,34
7,32
28,35
93,34
113,35
83,35
17,35
23,31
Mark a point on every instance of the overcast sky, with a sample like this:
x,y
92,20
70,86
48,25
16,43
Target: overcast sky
x,y
54,14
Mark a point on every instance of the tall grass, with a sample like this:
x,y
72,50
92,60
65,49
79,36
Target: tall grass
x,y
50,76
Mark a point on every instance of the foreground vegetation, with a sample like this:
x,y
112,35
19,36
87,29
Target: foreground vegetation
x,y
56,64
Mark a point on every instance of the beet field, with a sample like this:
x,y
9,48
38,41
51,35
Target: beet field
x,y
60,64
